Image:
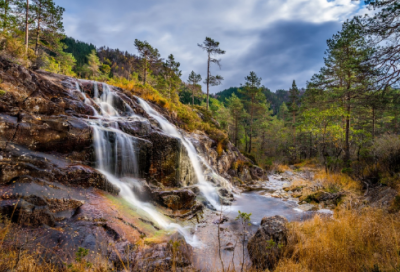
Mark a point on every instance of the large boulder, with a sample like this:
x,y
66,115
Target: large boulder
x,y
176,255
183,199
265,245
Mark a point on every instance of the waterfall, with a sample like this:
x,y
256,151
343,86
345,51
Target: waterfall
x,y
205,187
116,153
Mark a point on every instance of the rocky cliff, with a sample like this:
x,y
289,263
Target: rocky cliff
x,y
51,188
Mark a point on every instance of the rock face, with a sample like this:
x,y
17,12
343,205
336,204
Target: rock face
x,y
265,245
48,161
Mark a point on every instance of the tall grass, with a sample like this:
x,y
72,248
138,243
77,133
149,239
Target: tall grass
x,y
351,241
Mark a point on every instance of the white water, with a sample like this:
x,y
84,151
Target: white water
x,y
205,187
116,157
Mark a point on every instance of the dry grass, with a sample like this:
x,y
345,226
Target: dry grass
x,y
337,181
280,168
352,241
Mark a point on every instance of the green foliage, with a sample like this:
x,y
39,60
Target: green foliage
x,y
2,92
148,54
80,254
244,218
81,264
79,50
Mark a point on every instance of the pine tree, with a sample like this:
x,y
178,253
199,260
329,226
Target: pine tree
x,y
171,74
212,48
254,98
148,54
7,18
294,97
193,81
236,109
48,23
93,64
346,77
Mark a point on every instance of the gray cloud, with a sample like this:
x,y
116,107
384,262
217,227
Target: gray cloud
x,y
279,40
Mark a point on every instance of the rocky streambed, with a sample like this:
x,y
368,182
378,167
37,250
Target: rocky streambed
x,y
263,199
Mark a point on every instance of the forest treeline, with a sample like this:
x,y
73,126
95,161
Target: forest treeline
x,y
347,117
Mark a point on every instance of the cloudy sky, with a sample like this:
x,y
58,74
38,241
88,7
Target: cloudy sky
x,y
280,40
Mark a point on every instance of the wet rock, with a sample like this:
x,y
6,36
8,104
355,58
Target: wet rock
x,y
170,164
225,196
308,207
322,196
136,128
175,200
289,173
49,133
265,246
142,190
229,247
194,189
20,163
176,255
381,197
244,175
221,220
26,214
257,173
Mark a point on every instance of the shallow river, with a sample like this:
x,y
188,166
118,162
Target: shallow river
x,y
256,203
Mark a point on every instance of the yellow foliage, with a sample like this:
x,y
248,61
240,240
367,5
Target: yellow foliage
x,y
280,168
339,180
220,149
189,120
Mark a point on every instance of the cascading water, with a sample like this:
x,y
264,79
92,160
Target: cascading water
x,y
205,187
115,153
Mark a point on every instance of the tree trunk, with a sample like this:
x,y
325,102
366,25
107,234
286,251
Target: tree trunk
x,y
373,124
236,131
193,95
245,135
347,134
251,124
38,28
145,71
27,28
294,134
309,155
208,79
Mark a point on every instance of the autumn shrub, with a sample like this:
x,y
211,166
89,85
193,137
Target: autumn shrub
x,y
280,168
334,182
351,241
220,149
